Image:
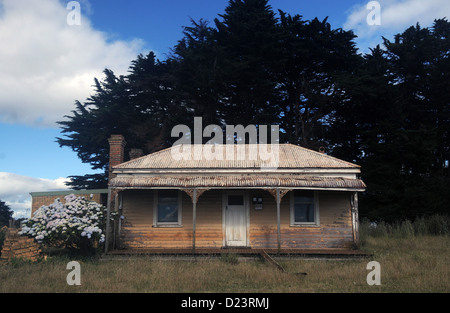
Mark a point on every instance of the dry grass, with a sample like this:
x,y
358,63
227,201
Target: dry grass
x,y
419,264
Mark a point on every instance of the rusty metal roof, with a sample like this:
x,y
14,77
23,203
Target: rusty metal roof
x,y
240,181
286,156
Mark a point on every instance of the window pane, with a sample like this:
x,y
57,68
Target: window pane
x,y
235,200
304,196
168,206
304,213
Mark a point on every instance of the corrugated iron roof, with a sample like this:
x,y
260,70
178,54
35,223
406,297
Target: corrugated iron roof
x,y
242,181
252,156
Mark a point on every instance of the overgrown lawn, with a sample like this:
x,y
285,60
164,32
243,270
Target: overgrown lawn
x,y
414,264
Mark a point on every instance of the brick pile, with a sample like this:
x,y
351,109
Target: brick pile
x,y
20,247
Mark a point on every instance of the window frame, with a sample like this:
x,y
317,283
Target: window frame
x,y
316,222
156,223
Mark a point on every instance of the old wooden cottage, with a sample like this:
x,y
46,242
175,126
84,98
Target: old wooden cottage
x,y
308,202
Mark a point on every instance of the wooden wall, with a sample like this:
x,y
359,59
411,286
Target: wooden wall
x,y
137,231
335,230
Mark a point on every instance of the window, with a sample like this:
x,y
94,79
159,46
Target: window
x,y
167,208
235,200
304,208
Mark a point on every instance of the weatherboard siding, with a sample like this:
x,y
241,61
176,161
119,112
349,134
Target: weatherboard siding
x,y
334,231
137,231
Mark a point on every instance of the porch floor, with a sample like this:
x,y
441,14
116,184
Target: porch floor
x,y
331,252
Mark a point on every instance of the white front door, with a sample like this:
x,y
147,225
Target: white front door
x,y
235,219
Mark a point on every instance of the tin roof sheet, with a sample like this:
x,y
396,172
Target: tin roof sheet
x,y
251,156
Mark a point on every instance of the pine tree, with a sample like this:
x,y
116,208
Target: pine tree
x,y
419,68
395,124
5,214
313,58
247,36
197,73
139,106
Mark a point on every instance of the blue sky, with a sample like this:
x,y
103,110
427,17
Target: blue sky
x,y
46,64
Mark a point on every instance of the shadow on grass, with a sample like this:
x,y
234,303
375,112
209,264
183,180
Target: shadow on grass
x,y
71,254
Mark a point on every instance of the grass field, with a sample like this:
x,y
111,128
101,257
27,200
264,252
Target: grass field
x,y
413,264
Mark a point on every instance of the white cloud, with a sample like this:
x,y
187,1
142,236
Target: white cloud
x,y
15,190
396,16
46,64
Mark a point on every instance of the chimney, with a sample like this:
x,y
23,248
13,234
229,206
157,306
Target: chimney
x,y
136,153
116,150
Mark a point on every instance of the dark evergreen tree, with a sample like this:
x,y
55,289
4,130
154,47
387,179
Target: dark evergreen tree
x,y
139,106
157,103
5,214
248,38
395,124
197,74
419,71
314,57
86,131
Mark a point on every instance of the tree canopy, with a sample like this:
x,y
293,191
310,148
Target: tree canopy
x,y
387,110
5,214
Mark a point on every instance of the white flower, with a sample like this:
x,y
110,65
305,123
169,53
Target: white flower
x,y
76,216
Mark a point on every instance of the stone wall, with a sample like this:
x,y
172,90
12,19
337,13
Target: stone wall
x,y
20,247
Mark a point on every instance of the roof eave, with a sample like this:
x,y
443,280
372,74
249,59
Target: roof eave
x,y
239,181
238,187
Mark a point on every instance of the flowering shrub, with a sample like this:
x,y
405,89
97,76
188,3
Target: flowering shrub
x,y
77,223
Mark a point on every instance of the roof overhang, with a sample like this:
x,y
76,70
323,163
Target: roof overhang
x,y
237,181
